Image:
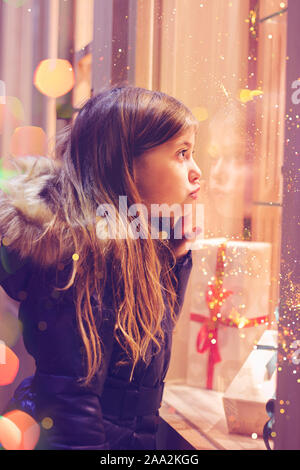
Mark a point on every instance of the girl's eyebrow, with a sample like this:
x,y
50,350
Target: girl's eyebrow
x,y
188,144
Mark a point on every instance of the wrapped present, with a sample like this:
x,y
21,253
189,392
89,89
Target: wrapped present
x,y
229,305
255,384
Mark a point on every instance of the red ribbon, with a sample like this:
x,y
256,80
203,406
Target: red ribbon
x,y
207,338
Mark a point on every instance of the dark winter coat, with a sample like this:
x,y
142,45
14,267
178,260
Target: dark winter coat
x,y
111,413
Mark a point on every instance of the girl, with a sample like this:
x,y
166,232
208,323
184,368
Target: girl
x,y
98,311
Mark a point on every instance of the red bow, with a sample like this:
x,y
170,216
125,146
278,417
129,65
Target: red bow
x,y
207,338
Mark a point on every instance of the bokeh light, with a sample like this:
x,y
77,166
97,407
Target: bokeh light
x,y
11,113
28,140
200,113
10,328
5,174
47,422
10,434
29,428
9,365
246,95
54,77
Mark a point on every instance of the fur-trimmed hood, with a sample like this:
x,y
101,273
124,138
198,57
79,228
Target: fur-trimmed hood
x,y
27,209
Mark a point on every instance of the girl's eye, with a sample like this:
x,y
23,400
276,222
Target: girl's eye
x,y
182,153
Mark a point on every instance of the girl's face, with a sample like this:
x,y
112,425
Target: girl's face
x,y
229,174
227,169
168,173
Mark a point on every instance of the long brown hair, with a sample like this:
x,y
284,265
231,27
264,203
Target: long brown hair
x,y
96,153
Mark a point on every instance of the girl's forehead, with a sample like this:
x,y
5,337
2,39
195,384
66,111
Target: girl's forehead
x,y
185,138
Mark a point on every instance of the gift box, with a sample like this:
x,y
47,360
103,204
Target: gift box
x,y
228,308
246,397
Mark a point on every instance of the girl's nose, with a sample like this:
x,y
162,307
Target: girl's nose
x,y
198,172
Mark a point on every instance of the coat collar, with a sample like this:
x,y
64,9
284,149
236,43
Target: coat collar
x,y
27,210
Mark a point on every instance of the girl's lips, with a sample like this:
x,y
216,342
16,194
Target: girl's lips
x,y
194,194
